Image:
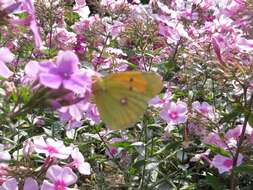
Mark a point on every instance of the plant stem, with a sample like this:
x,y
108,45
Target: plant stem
x,y
233,181
145,160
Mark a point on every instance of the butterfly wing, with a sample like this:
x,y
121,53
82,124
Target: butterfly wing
x,y
122,98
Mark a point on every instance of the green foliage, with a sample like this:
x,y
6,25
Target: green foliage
x,y
218,150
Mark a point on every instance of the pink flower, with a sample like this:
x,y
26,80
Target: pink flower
x,y
34,68
52,148
3,170
158,102
60,178
67,74
225,164
28,5
82,166
31,184
79,4
245,44
63,39
197,130
28,147
233,135
91,113
214,139
12,184
203,108
170,33
174,113
5,57
4,155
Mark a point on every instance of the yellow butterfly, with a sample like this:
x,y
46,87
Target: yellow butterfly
x,y
122,98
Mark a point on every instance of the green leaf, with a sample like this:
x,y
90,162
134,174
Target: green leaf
x,y
214,182
71,17
251,120
245,168
236,111
218,150
124,144
25,93
167,147
139,164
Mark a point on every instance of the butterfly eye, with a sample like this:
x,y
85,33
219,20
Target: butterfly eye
x,y
123,101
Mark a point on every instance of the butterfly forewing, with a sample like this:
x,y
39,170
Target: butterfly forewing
x,y
122,98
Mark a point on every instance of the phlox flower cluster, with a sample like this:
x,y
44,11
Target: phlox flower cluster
x,y
50,53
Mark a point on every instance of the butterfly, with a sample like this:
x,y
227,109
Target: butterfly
x,y
122,98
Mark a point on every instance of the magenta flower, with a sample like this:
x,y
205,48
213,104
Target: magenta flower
x,y
60,178
67,74
174,113
225,164
52,148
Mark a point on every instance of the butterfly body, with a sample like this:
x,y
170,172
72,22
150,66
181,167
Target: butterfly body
x,y
121,98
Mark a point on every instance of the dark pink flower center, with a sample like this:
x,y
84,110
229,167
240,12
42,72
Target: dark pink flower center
x,y
51,149
60,185
173,115
204,110
113,150
228,163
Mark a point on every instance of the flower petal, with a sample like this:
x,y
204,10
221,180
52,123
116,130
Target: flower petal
x,y
75,84
31,184
84,168
4,70
54,173
67,62
68,176
47,186
50,80
6,55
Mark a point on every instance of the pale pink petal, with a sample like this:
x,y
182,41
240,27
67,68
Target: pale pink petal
x,y
54,173
68,176
10,184
46,185
34,28
6,55
31,184
4,71
32,69
84,168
